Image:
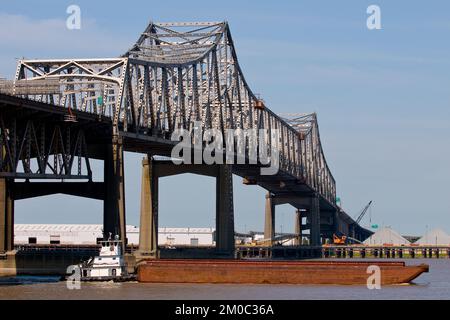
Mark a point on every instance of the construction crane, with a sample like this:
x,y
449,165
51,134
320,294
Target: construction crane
x,y
341,239
363,212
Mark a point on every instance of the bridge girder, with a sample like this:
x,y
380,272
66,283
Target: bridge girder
x,y
33,149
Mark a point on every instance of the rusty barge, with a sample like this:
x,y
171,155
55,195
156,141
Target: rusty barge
x,y
275,272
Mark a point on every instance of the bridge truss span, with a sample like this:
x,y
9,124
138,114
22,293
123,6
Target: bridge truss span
x,y
175,76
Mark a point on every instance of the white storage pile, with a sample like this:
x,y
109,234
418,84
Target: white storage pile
x,y
435,237
386,236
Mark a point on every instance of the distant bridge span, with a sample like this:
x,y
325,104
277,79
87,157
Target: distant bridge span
x,y
176,76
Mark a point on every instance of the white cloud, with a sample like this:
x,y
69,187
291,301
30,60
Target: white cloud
x,y
22,36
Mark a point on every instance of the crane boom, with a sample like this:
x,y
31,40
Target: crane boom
x,y
363,212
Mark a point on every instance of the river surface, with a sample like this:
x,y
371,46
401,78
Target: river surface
x,y
432,285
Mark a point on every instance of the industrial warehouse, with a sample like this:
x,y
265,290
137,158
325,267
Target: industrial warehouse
x,y
88,234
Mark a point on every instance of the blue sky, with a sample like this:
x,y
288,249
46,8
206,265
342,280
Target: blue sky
x,y
382,98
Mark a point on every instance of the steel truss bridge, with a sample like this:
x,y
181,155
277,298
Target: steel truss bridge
x,y
57,114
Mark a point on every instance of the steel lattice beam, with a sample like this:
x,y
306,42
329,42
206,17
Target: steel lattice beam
x,y
31,150
175,74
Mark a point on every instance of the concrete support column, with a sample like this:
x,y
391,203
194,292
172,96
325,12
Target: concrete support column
x,y
298,227
315,221
120,185
269,222
110,211
10,221
337,228
148,228
114,206
6,217
224,210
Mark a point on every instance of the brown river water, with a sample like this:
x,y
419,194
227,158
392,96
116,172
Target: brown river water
x,y
432,285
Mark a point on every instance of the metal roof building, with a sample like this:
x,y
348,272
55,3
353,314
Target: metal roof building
x,y
91,233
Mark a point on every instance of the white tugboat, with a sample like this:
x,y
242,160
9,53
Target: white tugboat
x,y
108,265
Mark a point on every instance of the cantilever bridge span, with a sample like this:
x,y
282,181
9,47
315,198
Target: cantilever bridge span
x,y
57,114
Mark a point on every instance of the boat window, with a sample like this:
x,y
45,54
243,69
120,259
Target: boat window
x,y
170,240
55,239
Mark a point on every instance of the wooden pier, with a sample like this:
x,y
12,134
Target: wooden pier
x,y
388,252
280,252
357,252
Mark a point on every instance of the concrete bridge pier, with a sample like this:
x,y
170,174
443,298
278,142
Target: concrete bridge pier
x,y
298,227
114,222
152,171
341,226
315,221
269,222
6,217
224,211
148,228
335,221
308,205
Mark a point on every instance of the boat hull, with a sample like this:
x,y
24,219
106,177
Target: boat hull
x,y
274,272
123,278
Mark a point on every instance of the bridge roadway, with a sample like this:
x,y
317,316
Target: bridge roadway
x,y
62,112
